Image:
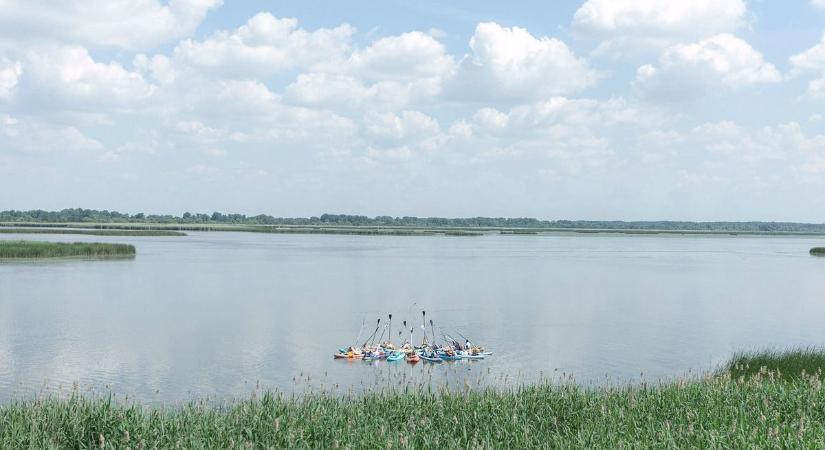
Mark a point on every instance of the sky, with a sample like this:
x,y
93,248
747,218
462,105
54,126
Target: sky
x,y
596,109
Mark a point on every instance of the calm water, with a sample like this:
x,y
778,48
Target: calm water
x,y
217,314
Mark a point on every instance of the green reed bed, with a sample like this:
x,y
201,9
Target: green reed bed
x,y
714,412
91,232
38,249
788,364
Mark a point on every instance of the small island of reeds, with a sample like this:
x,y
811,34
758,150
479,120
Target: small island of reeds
x,y
38,250
818,251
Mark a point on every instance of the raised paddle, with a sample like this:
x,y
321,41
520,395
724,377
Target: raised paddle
x,y
424,326
389,334
360,330
433,328
377,324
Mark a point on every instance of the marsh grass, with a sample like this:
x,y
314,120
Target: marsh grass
x,y
91,232
38,249
713,412
787,364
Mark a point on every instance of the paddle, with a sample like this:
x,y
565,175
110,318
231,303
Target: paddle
x,y
424,326
389,334
433,328
382,334
359,332
377,324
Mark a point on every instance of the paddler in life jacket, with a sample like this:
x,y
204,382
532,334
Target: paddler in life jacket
x,y
467,345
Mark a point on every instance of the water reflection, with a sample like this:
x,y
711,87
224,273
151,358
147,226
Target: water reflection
x,y
218,314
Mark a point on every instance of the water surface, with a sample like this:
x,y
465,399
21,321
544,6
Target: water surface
x,y
219,314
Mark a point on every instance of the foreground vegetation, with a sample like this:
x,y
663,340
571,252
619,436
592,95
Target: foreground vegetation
x,y
718,412
794,364
93,232
818,251
39,249
758,409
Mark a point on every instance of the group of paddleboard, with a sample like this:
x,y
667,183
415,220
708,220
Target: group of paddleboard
x,y
375,347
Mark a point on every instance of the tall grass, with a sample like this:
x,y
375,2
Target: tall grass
x,y
91,232
37,249
715,412
787,364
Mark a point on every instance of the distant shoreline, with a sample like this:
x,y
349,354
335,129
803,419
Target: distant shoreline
x,y
89,218
174,229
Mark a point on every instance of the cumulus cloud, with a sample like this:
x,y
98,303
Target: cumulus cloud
x,y
511,63
400,136
785,141
389,73
106,23
812,60
9,74
574,134
36,136
266,45
686,70
408,56
622,25
70,71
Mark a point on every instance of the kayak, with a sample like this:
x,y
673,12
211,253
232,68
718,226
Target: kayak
x,y
447,357
413,358
347,356
469,356
431,359
395,356
376,356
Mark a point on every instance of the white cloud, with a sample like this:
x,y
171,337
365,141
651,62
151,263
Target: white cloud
x,y
129,24
685,70
159,67
818,4
266,45
511,63
9,75
388,74
810,60
572,134
70,71
781,142
409,56
656,23
409,125
33,135
816,88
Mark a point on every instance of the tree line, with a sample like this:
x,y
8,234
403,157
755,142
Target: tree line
x,y
80,215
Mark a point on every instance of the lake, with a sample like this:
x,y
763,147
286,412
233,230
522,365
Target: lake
x,y
222,314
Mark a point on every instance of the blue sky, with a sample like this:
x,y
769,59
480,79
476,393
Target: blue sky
x,y
597,109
